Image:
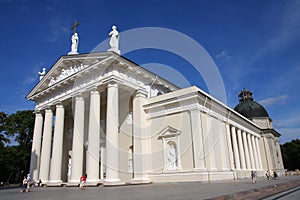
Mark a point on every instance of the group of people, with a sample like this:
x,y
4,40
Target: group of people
x,y
270,177
25,187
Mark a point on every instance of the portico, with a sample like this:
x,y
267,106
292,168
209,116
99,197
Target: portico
x,y
94,112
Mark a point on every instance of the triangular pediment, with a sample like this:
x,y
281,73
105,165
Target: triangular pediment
x,y
68,67
168,132
71,68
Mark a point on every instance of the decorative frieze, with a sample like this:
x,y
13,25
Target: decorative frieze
x,y
66,73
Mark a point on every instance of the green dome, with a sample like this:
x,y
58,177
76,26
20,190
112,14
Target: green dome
x,y
248,107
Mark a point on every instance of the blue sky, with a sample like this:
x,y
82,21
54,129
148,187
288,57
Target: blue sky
x,y
254,43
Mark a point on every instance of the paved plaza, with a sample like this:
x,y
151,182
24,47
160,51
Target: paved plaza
x,y
163,191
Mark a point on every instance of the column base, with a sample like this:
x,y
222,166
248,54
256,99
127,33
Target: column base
x,y
73,183
200,170
96,182
113,182
54,183
137,181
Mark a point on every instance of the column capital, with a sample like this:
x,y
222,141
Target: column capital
x,y
37,112
48,110
58,104
139,93
78,97
94,91
112,84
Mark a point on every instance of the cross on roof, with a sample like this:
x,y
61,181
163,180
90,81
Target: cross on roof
x,y
74,26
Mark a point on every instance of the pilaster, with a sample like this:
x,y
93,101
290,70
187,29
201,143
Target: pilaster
x,y
140,140
197,142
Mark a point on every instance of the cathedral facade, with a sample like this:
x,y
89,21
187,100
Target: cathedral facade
x,y
102,115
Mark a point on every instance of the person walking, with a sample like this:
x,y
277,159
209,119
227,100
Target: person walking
x,y
253,176
24,185
82,181
268,175
28,183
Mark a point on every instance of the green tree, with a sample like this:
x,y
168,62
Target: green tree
x,y
15,159
291,154
3,139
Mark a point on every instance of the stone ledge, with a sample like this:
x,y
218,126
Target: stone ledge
x,y
260,193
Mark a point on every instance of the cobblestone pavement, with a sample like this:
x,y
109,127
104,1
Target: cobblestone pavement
x,y
165,191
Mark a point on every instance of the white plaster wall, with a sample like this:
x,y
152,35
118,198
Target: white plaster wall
x,y
179,121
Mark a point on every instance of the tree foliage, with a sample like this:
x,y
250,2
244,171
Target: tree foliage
x,y
291,154
15,157
3,139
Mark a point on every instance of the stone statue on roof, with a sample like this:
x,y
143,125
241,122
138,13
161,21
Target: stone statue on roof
x,y
114,40
74,46
42,74
74,39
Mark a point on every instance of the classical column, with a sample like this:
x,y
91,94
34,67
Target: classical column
x,y
92,159
241,149
46,146
57,149
229,145
197,142
259,153
102,150
78,141
254,152
235,149
251,151
140,140
36,146
248,164
112,140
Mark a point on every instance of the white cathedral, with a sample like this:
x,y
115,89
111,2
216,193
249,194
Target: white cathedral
x,y
102,115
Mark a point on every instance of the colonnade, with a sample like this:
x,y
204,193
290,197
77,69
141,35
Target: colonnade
x,y
47,158
245,149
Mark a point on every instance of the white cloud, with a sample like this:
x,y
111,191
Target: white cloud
x,y
221,55
57,29
273,100
287,31
288,126
225,55
289,134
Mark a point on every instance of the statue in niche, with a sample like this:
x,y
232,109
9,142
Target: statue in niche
x,y
114,40
172,157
